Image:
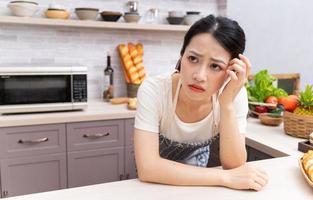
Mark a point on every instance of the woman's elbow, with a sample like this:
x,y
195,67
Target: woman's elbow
x,y
144,173
234,164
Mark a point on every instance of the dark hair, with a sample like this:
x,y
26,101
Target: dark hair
x,y
226,31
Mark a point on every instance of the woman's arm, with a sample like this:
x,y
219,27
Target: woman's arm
x,y
232,143
152,168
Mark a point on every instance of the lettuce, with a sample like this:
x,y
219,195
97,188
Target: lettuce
x,y
262,87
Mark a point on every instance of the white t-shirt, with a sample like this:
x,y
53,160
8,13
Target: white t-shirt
x,y
155,106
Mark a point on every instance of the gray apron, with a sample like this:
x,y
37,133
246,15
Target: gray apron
x,y
196,154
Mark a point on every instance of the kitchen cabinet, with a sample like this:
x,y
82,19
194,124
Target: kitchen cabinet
x,y
41,158
95,166
130,164
32,159
95,152
21,176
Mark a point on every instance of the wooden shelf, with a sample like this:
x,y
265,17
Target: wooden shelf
x,y
91,24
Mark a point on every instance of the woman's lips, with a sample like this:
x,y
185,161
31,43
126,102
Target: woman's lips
x,y
196,88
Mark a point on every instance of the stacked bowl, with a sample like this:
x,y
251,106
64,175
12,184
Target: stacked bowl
x,y
87,13
23,8
175,17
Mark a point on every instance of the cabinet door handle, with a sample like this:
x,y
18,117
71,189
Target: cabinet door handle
x,y
95,136
36,141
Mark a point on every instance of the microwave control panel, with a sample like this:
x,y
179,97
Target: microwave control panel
x,y
80,88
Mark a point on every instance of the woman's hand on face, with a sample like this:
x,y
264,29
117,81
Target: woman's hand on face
x,y
245,177
238,70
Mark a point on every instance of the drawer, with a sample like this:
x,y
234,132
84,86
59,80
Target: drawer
x,y
32,140
129,131
94,135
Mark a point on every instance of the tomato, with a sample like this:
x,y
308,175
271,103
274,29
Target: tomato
x,y
271,99
261,109
290,103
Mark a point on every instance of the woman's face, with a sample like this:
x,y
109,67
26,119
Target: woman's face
x,y
203,67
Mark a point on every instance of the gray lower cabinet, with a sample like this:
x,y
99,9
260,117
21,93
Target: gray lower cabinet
x,y
49,157
95,166
21,176
97,152
32,159
130,164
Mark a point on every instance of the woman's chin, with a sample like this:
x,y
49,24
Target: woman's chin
x,y
196,96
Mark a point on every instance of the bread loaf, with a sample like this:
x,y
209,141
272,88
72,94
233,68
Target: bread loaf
x,y
132,62
307,162
132,104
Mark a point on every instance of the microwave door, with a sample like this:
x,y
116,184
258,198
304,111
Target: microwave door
x,y
32,89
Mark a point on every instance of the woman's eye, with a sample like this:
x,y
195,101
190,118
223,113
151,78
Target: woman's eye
x,y
216,67
193,59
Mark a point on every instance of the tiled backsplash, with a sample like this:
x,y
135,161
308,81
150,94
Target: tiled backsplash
x,y
40,44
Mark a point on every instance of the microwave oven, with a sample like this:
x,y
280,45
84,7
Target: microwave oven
x,y
25,89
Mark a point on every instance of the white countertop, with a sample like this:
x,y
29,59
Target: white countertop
x,y
97,110
271,139
286,182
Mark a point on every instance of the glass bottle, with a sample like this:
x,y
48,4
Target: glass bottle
x,y
108,80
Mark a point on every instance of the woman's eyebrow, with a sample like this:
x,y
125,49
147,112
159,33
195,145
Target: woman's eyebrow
x,y
218,60
213,59
196,53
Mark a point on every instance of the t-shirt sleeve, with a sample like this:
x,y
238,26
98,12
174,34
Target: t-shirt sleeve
x,y
148,107
241,109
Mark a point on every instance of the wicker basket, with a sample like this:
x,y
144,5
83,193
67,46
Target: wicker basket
x,y
298,125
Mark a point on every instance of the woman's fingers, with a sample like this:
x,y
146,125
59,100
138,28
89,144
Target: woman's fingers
x,y
232,75
236,71
260,179
247,62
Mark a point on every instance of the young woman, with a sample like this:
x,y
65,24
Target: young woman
x,y
178,116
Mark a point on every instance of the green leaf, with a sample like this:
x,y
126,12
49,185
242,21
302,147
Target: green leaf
x,y
262,87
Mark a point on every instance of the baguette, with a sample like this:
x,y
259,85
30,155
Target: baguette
x,y
119,100
132,62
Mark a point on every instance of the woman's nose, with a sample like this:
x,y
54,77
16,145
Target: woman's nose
x,y
200,74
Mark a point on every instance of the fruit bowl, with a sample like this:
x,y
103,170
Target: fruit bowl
x,y
255,108
270,119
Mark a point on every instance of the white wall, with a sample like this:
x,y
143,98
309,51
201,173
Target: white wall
x,y
39,44
279,34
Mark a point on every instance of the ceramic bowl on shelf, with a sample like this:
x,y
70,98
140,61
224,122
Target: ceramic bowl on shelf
x,y
23,8
87,13
54,13
175,20
131,17
191,17
175,13
110,16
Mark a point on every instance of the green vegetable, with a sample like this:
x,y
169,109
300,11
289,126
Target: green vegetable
x,y
262,87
